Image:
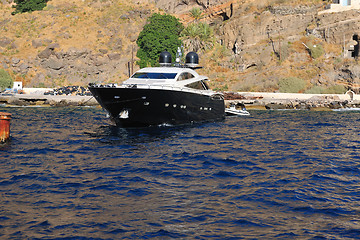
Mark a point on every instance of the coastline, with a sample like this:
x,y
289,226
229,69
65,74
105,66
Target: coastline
x,y
251,100
47,100
316,102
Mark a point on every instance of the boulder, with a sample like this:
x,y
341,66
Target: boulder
x,y
54,64
5,41
46,53
114,56
15,61
36,43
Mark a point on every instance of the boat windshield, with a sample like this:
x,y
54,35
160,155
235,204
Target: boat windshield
x,y
152,75
200,85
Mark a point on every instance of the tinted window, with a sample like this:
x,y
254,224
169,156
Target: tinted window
x,y
184,76
198,85
149,75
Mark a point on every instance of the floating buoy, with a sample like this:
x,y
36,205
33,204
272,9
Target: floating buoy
x,y
4,126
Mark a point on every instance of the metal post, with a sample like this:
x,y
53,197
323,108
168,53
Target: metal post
x,y
4,126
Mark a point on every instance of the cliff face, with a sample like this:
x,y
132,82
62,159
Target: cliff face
x,y
283,33
267,42
183,6
257,42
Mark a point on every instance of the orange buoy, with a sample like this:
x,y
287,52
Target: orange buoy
x,y
4,126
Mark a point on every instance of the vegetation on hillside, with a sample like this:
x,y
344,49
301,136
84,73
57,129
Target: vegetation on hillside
x,y
198,36
160,34
5,80
29,5
112,27
291,85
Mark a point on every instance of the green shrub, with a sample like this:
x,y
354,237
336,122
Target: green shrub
x,y
291,85
335,89
5,80
316,51
196,13
198,36
201,31
315,90
160,34
29,6
284,51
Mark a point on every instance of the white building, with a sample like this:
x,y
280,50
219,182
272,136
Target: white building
x,y
342,5
17,86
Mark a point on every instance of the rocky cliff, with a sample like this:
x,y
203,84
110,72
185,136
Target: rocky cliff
x,y
71,43
257,43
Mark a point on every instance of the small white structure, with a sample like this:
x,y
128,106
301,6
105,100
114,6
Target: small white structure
x,y
342,5
17,86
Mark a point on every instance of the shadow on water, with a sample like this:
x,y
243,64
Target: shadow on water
x,y
111,134
114,135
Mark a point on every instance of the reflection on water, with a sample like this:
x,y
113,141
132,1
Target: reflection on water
x,y
68,173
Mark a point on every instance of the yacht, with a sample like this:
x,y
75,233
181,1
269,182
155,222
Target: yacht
x,y
171,94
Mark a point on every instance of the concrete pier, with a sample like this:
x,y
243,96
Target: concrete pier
x,y
265,100
47,100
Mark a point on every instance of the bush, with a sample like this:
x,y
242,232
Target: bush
x,y
315,90
335,89
196,13
316,51
198,36
291,85
29,6
201,31
160,34
5,80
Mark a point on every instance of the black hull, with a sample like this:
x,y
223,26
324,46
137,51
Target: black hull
x,y
152,107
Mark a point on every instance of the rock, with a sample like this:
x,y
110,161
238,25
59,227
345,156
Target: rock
x,y
18,102
115,43
65,35
290,10
185,5
98,61
13,45
103,51
5,41
46,53
114,56
4,66
124,16
52,46
338,104
36,43
54,64
15,61
24,67
77,53
49,50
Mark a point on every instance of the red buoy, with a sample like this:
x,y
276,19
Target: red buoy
x,y
4,126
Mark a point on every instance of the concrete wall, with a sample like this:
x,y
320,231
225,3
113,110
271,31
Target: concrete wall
x,y
36,90
343,5
299,96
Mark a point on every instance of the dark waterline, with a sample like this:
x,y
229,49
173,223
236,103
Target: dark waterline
x,y
67,173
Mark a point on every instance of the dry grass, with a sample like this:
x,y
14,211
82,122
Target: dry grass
x,y
72,24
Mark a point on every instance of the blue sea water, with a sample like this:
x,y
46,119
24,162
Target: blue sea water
x,y
69,174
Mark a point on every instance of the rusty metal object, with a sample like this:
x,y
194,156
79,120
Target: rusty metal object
x,y
4,126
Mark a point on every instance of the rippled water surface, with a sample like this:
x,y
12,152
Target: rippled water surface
x,y
67,173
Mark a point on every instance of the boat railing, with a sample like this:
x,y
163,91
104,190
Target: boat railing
x,y
166,87
156,86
